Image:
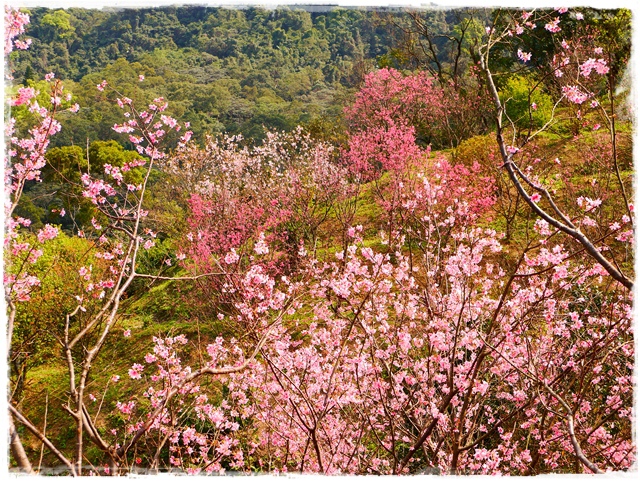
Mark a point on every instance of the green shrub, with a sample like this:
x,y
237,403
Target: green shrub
x,y
526,106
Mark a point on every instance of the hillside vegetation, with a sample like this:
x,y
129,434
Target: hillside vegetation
x,y
224,70
330,241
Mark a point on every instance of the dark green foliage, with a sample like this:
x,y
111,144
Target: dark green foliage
x,y
61,186
223,70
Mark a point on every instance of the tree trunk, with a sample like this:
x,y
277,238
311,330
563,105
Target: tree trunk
x,y
17,449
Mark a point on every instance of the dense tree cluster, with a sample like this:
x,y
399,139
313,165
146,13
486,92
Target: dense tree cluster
x,y
225,70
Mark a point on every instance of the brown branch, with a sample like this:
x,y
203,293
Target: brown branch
x,y
195,375
426,433
571,427
511,168
183,278
36,432
569,416
17,449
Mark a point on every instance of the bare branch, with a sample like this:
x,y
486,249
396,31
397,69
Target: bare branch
x,y
510,166
17,449
36,432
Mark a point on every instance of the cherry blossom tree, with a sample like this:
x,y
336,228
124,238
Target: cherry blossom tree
x,y
117,237
445,363
285,187
570,60
28,153
390,100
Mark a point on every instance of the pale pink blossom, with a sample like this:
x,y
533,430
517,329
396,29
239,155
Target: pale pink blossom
x,y
150,358
574,94
48,232
524,56
600,66
553,26
136,371
512,149
261,246
126,408
231,257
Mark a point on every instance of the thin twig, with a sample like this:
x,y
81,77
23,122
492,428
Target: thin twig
x,y
44,428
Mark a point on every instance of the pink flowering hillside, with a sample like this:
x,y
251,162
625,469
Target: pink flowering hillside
x,y
435,276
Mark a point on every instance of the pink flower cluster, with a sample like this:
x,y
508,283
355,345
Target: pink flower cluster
x,y
574,94
600,66
14,25
25,94
524,56
47,233
553,26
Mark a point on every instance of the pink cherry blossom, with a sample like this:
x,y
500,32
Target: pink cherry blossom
x,y
47,233
136,371
524,56
441,345
261,247
600,66
574,94
24,95
512,149
231,257
553,26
